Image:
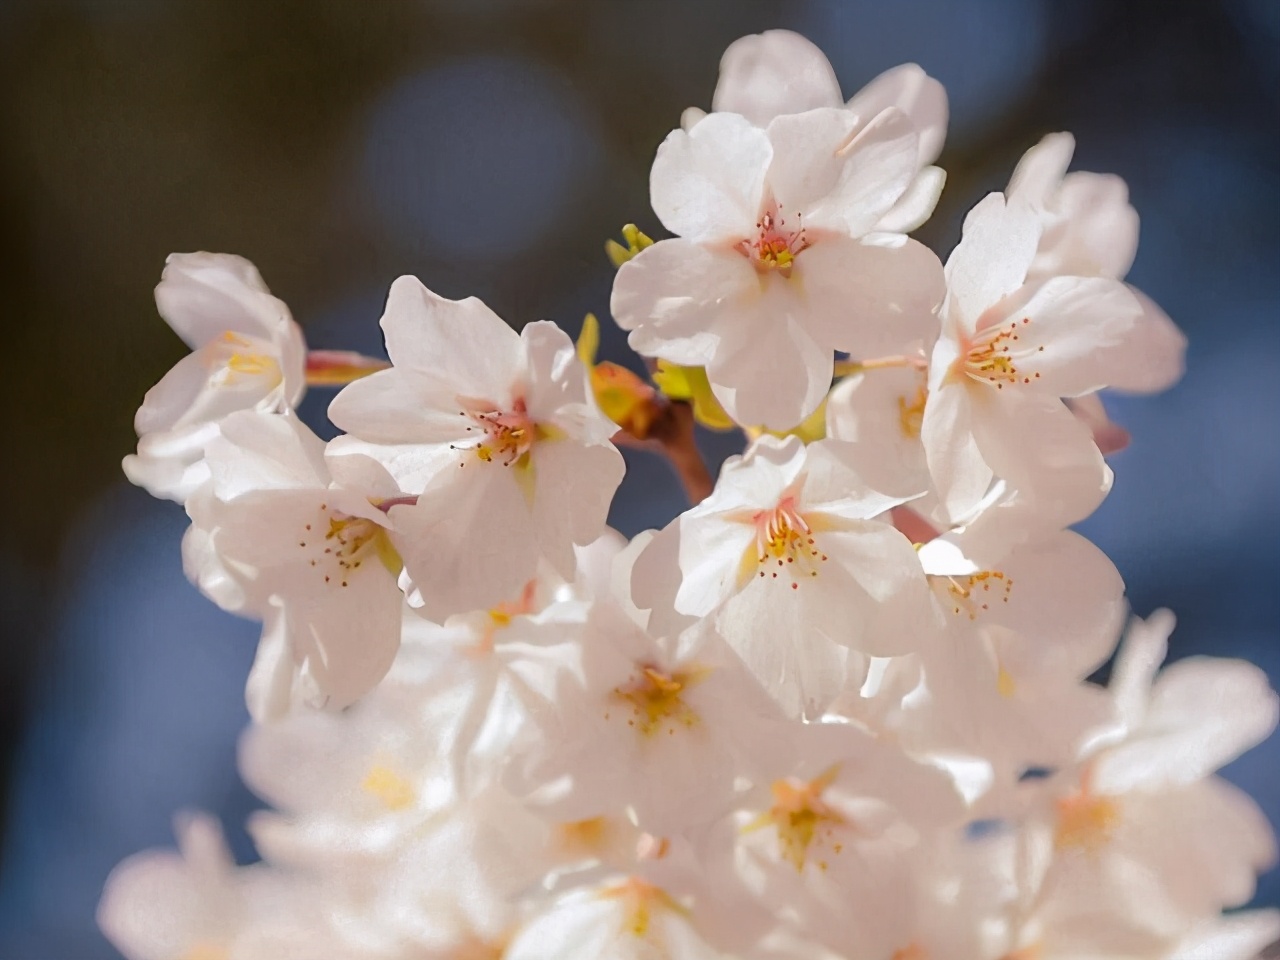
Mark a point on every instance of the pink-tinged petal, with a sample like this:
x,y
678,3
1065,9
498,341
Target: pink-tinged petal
x,y
354,632
922,98
772,73
1241,936
991,261
1145,644
1053,338
396,406
460,344
573,486
203,295
879,412
1203,712
271,690
1107,434
768,370
1044,454
916,205
1061,596
712,556
1090,231
960,474
656,578
882,581
469,542
1039,173
706,183
672,294
260,452
869,299
840,178
844,479
778,633
1151,355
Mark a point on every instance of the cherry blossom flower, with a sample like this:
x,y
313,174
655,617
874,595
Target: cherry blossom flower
x,y
786,556
248,354
766,75
310,553
775,263
1091,230
1011,347
496,436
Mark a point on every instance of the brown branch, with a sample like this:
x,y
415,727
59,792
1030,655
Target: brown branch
x,y
670,432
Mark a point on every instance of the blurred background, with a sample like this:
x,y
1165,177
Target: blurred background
x,y
490,146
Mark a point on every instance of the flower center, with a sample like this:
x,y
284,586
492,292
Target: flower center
x,y
776,244
970,596
785,545
655,700
240,360
911,413
1086,821
638,899
393,790
993,356
801,819
502,436
340,545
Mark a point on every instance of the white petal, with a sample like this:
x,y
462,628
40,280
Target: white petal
x,y
843,479
1061,328
203,295
772,73
1039,173
840,180
995,251
706,183
922,98
768,370
258,452
573,488
1242,936
960,474
1203,713
468,543
877,413
398,406
671,296
459,343
869,300
1091,229
916,205
1150,357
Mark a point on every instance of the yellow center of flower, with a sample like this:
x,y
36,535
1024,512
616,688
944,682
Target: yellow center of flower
x,y
911,413
639,900
1086,821
993,356
972,595
803,821
239,356
785,548
394,791
653,699
339,545
776,244
502,436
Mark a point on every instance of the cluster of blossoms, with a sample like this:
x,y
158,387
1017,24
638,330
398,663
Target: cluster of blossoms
x,y
837,710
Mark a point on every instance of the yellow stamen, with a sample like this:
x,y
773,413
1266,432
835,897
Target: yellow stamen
x,y
395,792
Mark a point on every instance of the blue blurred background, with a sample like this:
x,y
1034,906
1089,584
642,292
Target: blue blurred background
x,y
489,146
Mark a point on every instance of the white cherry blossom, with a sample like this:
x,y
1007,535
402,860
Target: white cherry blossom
x,y
247,354
310,553
786,557
496,436
775,263
1011,348
766,75
1091,230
